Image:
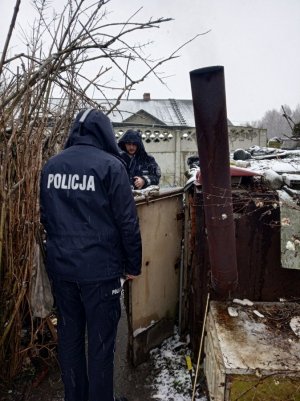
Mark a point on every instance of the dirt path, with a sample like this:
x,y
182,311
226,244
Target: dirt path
x,y
134,383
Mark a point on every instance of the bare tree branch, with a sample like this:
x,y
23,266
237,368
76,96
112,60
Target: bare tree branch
x,y
10,31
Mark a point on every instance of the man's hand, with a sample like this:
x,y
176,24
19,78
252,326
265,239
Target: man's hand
x,y
139,182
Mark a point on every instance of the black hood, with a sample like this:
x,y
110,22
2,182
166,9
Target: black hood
x,y
92,127
132,136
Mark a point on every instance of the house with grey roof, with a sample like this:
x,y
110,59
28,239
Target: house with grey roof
x,y
167,127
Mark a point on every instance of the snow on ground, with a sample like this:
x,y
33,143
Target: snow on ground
x,y
172,381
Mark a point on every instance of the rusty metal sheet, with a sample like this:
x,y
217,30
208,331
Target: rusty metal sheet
x,y
261,277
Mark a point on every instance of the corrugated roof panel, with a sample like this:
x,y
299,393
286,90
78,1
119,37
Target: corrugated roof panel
x,y
172,112
187,110
159,108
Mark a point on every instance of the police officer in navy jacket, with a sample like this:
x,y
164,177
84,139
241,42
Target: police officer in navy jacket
x,y
93,239
141,167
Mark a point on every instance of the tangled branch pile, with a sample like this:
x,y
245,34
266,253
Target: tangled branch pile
x,y
71,57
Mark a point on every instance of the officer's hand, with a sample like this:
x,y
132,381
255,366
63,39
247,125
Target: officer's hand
x,y
130,277
139,182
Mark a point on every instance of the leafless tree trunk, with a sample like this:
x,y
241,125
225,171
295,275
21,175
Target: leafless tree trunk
x,y
276,123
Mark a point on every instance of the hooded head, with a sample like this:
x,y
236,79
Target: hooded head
x,y
133,137
92,127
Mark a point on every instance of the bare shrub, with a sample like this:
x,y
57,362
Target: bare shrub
x,y
60,53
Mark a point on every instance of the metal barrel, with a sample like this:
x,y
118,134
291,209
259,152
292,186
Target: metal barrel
x,y
209,101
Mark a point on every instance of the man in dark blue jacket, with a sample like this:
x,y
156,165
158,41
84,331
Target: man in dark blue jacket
x,y
141,167
93,239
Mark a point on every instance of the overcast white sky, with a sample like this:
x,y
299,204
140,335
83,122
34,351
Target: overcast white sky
x,y
257,42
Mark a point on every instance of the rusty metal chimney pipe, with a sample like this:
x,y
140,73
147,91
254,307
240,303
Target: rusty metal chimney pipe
x,y
209,100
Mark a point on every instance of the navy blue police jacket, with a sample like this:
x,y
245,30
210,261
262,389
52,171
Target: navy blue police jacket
x,y
141,164
87,207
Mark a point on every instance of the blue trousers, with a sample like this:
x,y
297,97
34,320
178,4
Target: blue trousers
x,y
95,308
